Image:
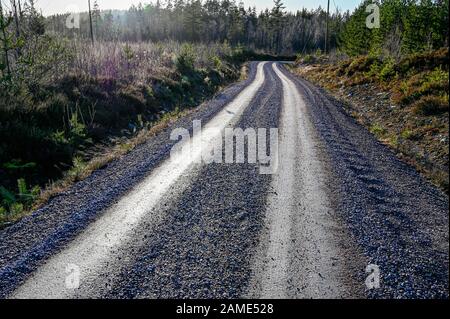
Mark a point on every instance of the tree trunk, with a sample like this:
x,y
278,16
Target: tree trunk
x,y
5,46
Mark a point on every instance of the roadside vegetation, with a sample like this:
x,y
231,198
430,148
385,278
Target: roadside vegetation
x,y
395,80
68,106
90,98
72,99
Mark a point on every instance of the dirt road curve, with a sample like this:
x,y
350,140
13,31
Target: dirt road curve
x,y
151,225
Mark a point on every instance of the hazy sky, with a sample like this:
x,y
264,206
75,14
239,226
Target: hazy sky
x,y
62,6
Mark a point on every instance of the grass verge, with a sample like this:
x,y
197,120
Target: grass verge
x,y
403,103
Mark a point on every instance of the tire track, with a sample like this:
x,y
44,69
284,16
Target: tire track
x,y
300,254
204,247
96,249
398,219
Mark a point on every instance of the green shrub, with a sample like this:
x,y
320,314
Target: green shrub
x,y
16,209
7,197
309,59
77,130
3,215
408,135
27,196
360,64
186,59
377,130
16,205
387,72
424,61
16,165
434,83
217,63
78,168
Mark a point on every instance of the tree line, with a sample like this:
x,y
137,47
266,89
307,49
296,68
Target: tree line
x,y
406,26
272,31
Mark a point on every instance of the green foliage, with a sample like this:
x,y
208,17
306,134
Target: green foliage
x,y
422,84
377,130
16,165
25,195
217,63
405,27
78,168
22,186
186,59
13,206
3,215
360,64
387,71
408,135
355,38
7,197
16,209
77,130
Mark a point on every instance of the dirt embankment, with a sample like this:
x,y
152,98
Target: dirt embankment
x,y
403,103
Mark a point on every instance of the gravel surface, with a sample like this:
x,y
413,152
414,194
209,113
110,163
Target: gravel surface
x,y
303,253
397,218
27,244
210,235
204,247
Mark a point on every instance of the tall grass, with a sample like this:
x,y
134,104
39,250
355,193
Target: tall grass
x,y
76,95
138,62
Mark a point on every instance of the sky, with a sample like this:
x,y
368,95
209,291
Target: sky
x,y
62,6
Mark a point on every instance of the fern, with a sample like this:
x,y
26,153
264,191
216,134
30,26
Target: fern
x,y
7,197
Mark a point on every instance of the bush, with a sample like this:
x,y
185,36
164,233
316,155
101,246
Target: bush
x,y
387,71
360,65
16,204
408,135
308,59
431,105
422,84
378,130
3,215
424,61
186,59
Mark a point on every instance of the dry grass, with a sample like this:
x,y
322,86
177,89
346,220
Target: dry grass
x,y
100,161
137,62
404,104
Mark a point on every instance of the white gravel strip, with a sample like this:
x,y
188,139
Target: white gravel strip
x,y
299,251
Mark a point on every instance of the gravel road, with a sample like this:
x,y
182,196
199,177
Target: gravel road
x,y
151,225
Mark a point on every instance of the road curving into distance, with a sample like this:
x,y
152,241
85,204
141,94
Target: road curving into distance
x,y
154,226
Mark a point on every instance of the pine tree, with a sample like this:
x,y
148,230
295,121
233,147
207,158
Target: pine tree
x,y
355,38
277,16
96,17
193,20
